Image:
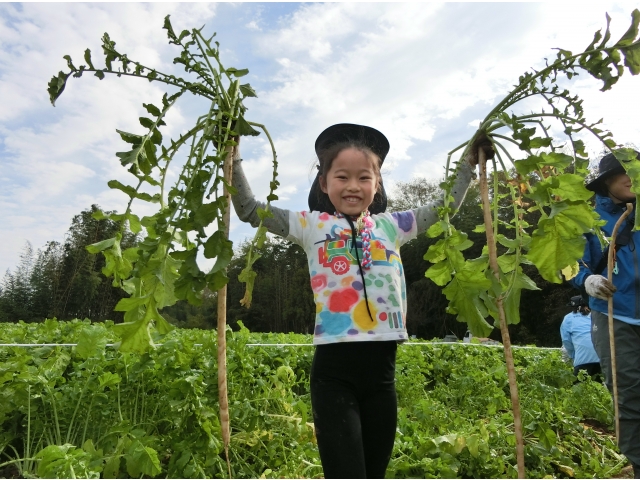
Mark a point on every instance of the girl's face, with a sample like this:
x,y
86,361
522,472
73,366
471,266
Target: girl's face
x,y
351,182
619,187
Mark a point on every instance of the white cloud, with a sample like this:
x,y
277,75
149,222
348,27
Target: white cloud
x,y
410,66
422,73
253,25
56,162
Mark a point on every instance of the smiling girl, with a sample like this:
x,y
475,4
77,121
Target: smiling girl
x,y
353,250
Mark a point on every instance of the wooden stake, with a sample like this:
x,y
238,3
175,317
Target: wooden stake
x,y
612,343
504,329
223,399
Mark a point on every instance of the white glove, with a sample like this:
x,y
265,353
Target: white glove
x,y
599,287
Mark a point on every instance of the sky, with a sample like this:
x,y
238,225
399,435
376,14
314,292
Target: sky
x,y
422,73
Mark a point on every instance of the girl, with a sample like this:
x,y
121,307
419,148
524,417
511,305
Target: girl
x,y
353,249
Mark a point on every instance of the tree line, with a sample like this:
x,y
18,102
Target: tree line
x,y
64,281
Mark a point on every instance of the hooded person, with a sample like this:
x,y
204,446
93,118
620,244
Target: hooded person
x,y
612,187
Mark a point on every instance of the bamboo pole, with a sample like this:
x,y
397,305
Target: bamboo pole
x,y
612,343
504,330
223,399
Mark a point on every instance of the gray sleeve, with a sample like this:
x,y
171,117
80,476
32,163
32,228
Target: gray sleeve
x,y
427,215
246,205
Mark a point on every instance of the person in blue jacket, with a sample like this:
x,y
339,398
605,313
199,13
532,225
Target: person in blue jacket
x,y
575,332
613,192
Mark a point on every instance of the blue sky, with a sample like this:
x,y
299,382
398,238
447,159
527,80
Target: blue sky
x,y
423,73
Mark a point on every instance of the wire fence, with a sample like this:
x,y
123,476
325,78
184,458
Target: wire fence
x,y
282,345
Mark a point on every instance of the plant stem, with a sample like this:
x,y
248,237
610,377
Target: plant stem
x,y
119,408
17,460
223,399
184,86
55,414
569,119
86,423
612,343
197,34
27,452
504,330
496,202
84,390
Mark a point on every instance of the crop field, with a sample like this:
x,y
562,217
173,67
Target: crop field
x,y
88,410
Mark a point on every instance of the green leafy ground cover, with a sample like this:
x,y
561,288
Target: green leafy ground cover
x,y
90,411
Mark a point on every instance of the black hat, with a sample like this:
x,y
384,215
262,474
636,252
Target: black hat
x,y
349,132
609,166
578,301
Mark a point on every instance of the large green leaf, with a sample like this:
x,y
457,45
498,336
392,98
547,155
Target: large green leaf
x,y
135,336
223,250
446,256
243,128
142,460
100,246
632,57
56,86
536,162
571,187
511,301
464,295
205,214
91,343
558,241
440,273
630,35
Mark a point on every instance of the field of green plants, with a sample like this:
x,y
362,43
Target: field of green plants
x,y
90,411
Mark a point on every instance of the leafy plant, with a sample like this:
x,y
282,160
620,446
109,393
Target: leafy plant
x,y
163,267
549,180
154,414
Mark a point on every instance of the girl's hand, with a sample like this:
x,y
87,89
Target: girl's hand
x,y
482,141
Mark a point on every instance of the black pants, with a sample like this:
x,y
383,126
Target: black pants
x,y
627,338
353,395
593,370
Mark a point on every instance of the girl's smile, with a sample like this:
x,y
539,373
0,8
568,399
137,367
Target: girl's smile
x,y
351,182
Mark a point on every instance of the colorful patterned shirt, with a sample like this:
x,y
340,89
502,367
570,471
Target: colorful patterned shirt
x,y
339,294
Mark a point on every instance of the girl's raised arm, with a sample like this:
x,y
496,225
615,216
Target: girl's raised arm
x,y
246,205
427,215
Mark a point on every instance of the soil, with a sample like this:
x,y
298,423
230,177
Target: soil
x,y
10,471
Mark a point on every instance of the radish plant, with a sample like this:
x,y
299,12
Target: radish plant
x,y
545,176
163,268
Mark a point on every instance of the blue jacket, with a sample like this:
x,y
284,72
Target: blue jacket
x,y
576,338
626,300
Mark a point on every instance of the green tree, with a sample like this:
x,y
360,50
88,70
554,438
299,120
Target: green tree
x,y
64,280
282,296
15,297
45,279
